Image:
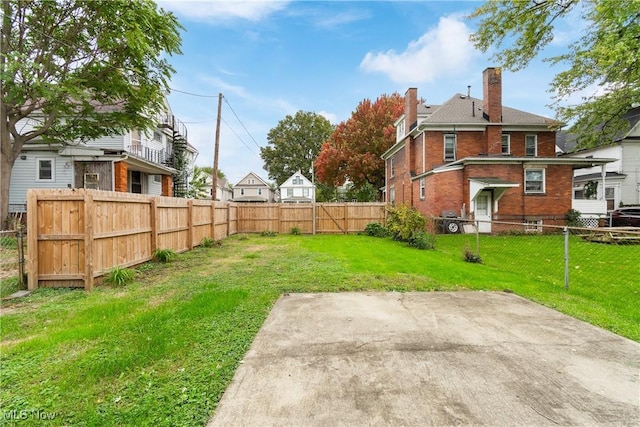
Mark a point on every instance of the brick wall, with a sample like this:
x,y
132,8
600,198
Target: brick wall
x,y
121,177
167,185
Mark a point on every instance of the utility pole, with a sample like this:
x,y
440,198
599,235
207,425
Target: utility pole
x,y
214,178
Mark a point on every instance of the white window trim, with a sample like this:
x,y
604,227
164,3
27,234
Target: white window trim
x,y
53,169
535,145
455,143
423,188
508,144
391,168
544,181
400,131
392,194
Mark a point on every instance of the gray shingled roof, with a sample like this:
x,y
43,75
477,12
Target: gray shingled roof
x,y
462,109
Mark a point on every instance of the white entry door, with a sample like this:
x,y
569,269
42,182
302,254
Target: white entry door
x,y
483,211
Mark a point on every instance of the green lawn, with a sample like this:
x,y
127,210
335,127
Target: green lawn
x,y
162,350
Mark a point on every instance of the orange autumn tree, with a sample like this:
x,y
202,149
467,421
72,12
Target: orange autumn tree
x,y
354,148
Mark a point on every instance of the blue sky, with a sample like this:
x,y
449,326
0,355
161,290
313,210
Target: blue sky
x,y
272,59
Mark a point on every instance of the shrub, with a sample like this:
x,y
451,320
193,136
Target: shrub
x,y
404,222
471,257
119,276
375,229
164,255
573,218
421,240
296,231
268,233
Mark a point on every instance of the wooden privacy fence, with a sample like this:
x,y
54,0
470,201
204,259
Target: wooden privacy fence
x,y
76,236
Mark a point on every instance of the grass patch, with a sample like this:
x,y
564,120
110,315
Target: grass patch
x,y
163,349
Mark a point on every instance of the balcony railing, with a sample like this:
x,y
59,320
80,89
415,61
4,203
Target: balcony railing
x,y
154,156
169,121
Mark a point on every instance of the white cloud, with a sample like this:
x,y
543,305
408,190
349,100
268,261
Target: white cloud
x,y
217,10
441,51
333,118
341,19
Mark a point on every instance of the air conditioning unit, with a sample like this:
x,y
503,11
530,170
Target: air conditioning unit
x,y
91,180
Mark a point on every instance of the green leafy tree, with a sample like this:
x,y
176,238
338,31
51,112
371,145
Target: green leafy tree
x,y
294,144
200,180
605,57
82,69
355,148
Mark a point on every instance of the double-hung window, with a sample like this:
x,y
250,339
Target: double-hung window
x,y
422,188
449,148
506,144
289,192
391,169
46,170
534,181
531,145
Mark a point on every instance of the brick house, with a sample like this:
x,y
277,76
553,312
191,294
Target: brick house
x,y
481,160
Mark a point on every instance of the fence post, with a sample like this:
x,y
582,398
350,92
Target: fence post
x,y
88,241
565,231
213,220
32,239
346,221
20,243
154,225
190,243
313,219
477,238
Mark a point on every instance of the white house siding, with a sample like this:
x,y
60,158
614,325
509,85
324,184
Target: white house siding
x,y
297,190
24,176
609,152
630,188
154,188
110,143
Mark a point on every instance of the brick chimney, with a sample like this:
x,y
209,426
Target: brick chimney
x,y
492,95
492,108
410,108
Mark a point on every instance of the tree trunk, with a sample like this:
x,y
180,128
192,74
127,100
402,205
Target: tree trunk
x,y
6,164
8,155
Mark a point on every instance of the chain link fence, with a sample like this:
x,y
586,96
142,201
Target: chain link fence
x,y
560,256
13,245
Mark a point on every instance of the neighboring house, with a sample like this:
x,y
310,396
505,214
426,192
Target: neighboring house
x,y
622,177
154,162
224,192
252,188
297,189
481,160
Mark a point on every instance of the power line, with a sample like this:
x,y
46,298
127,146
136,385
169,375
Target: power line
x,y
193,94
242,124
238,136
